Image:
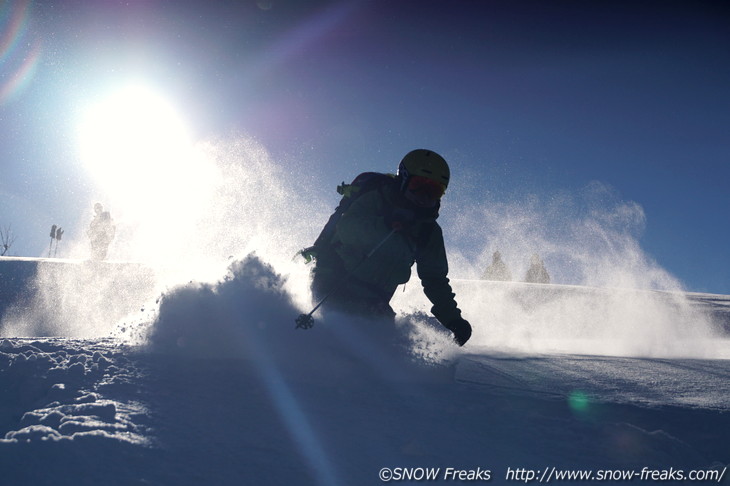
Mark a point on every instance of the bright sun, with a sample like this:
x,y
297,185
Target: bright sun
x,y
132,136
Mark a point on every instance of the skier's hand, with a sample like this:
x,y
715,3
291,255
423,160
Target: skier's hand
x,y
461,329
400,218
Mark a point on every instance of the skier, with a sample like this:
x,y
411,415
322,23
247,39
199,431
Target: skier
x,y
396,215
498,269
537,273
101,232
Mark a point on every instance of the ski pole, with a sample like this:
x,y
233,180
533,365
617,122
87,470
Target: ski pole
x,y
53,237
59,234
306,321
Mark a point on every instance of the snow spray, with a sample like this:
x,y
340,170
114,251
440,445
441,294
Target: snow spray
x,y
225,199
606,296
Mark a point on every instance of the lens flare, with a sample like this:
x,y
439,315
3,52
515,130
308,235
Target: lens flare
x,y
579,402
19,54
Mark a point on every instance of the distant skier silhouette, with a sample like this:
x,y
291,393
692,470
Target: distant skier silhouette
x,y
537,273
498,269
101,232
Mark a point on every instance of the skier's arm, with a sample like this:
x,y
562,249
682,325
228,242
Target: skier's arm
x,y
433,269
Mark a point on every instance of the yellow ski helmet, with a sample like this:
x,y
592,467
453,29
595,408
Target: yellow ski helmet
x,y
424,163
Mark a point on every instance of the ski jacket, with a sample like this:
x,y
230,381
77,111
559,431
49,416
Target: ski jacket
x,y
363,225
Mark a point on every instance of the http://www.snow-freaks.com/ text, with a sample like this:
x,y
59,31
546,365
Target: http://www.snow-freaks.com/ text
x,y
549,474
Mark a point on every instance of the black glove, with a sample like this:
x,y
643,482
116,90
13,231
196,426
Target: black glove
x,y
461,329
400,218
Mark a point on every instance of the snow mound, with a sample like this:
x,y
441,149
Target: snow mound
x,y
250,315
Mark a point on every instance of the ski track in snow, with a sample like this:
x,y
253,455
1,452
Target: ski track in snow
x,y
649,382
225,391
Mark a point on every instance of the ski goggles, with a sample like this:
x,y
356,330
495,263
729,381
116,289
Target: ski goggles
x,y
427,187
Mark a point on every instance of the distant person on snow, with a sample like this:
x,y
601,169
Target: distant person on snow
x,y
537,273
396,217
498,269
101,232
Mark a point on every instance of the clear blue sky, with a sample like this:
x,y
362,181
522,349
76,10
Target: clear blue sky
x,y
526,97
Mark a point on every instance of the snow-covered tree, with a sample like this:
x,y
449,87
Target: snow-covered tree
x,y
498,269
537,273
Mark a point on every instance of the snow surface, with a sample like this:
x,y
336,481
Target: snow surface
x,y
211,384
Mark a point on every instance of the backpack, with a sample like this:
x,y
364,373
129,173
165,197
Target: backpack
x,y
365,182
